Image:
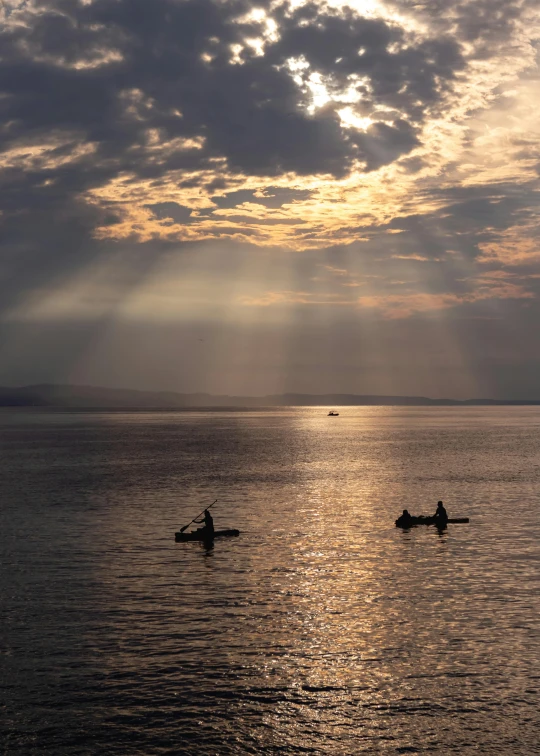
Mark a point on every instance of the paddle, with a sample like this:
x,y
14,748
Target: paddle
x,y
193,520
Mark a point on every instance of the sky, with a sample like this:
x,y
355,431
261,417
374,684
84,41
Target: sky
x,y
238,197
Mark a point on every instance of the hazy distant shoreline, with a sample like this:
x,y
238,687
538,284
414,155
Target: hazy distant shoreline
x,y
94,397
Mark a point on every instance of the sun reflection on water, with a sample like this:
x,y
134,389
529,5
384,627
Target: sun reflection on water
x,y
322,627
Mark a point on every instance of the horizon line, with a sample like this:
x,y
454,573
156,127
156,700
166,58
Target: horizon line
x,y
253,397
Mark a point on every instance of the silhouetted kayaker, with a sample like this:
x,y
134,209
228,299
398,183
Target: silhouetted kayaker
x,y
404,520
208,524
441,513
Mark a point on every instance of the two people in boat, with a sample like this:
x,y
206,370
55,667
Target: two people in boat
x,y
208,528
440,517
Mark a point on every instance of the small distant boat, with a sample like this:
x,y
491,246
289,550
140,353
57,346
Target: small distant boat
x,y
199,535
333,413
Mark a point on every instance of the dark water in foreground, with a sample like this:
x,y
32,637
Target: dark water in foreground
x,y
322,629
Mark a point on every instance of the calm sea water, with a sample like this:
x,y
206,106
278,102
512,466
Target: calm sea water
x,y
322,629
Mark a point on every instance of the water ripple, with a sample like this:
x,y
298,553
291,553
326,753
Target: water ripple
x,y
322,629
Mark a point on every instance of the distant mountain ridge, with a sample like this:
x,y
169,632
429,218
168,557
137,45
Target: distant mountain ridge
x,y
95,397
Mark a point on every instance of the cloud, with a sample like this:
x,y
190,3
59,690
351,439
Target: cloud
x,y
404,306
399,136
115,74
124,105
294,298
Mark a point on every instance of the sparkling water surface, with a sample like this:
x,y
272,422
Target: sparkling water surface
x,y
321,629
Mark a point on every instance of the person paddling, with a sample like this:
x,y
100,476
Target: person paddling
x,y
441,514
208,524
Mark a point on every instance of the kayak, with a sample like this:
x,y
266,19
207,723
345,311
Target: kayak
x,y
198,535
429,520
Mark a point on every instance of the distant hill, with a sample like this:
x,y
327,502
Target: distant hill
x,y
93,397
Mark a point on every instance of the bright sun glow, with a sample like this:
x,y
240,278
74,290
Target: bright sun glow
x,y
362,7
350,119
323,91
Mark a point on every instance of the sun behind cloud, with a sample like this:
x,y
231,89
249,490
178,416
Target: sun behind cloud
x,y
375,160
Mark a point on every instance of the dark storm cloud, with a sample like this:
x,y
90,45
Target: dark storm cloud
x,y
252,114
107,73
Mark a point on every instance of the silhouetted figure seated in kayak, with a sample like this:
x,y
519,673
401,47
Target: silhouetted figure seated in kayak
x,y
405,520
208,529
441,515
